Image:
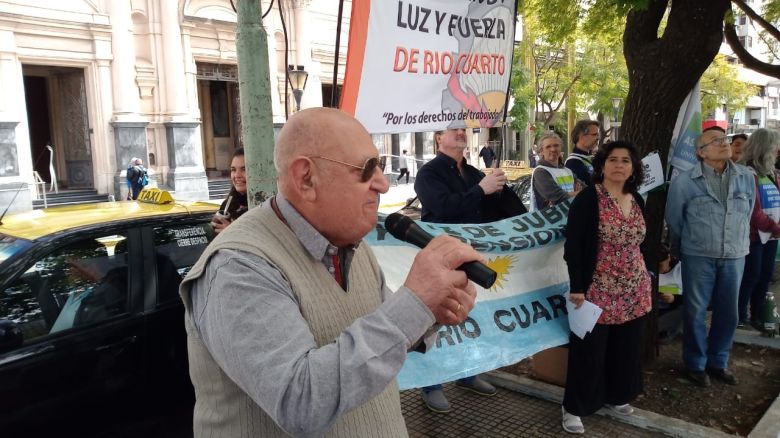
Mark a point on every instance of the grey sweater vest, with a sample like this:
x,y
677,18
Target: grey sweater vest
x,y
222,409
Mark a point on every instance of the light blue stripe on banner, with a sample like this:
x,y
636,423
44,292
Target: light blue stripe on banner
x,y
518,233
497,333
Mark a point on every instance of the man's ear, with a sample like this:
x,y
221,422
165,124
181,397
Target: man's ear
x,y
304,178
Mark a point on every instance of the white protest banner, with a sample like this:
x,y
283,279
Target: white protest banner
x,y
523,313
426,65
654,173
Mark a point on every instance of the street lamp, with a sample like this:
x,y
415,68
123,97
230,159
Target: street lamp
x,y
297,77
616,101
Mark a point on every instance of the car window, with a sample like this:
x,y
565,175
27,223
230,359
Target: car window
x,y
75,285
177,248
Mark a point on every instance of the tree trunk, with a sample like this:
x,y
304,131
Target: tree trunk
x,y
661,73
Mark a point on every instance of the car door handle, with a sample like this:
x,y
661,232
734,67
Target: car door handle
x,y
117,345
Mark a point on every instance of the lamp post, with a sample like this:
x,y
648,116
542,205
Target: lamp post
x,y
297,77
616,101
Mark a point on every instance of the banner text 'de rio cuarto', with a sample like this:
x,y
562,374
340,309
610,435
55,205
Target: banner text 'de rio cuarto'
x,y
426,65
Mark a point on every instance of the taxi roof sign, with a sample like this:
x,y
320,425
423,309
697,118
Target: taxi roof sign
x,y
155,196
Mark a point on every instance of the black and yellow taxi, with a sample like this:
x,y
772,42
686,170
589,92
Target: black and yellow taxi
x,y
91,331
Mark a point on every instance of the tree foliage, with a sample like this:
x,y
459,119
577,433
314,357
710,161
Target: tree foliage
x,y
597,75
721,87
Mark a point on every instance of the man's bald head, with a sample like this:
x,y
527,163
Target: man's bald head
x,y
314,131
319,158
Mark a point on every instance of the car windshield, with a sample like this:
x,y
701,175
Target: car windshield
x,y
10,246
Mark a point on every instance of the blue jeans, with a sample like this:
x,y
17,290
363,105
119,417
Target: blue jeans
x,y
759,266
427,389
710,282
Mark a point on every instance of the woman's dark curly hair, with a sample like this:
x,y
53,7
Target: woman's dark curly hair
x,y
635,180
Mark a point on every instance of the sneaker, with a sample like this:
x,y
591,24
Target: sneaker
x,y
436,401
571,423
724,375
699,378
625,409
477,384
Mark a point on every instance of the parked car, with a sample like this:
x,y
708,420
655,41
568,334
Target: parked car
x,y
92,341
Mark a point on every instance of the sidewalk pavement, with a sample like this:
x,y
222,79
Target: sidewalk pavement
x,y
506,414
525,407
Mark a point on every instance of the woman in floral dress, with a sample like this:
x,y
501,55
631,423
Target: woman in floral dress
x,y
604,233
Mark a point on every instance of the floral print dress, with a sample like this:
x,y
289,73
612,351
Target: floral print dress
x,y
621,284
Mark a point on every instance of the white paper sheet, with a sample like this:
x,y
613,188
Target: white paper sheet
x,y
654,173
582,320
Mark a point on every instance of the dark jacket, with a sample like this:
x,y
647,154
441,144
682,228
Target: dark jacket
x,y
449,198
487,155
582,238
135,175
238,204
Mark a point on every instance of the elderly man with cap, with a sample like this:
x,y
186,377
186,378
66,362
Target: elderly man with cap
x,y
291,327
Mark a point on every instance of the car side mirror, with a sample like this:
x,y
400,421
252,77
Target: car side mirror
x,y
10,336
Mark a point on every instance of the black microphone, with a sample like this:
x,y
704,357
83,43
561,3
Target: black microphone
x,y
403,228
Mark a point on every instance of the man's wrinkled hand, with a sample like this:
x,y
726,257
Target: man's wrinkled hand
x,y
434,278
494,182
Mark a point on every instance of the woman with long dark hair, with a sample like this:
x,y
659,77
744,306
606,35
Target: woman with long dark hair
x,y
236,203
604,233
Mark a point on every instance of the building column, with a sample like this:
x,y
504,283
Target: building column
x,y
15,158
312,95
185,161
186,175
129,130
125,91
174,77
130,142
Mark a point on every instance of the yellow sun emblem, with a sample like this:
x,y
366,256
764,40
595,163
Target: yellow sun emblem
x,y
501,265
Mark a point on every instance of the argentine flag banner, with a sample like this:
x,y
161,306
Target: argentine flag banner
x,y
523,313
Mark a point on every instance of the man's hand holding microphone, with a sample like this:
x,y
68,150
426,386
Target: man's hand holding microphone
x,y
441,271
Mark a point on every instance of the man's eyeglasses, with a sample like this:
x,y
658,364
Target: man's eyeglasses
x,y
366,171
720,141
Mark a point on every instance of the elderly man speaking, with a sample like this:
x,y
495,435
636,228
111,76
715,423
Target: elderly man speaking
x,y
291,328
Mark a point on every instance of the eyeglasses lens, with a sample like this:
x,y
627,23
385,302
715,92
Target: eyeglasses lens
x,y
368,169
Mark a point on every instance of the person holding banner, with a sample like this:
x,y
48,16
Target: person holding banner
x,y
551,182
605,230
708,211
451,191
759,155
291,327
585,138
